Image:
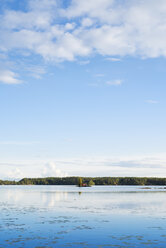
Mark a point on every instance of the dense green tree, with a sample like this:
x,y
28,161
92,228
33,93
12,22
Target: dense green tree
x,y
87,180
91,183
80,182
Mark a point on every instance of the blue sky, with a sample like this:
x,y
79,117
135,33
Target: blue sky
x,y
82,88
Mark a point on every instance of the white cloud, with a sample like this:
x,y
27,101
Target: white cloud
x,y
131,28
69,26
9,77
88,8
114,82
36,71
25,20
86,166
87,22
113,59
106,27
85,28
46,5
14,174
51,170
66,47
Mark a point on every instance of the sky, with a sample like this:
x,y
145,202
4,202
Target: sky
x,y
82,88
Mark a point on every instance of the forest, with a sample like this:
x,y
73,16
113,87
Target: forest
x,y
88,180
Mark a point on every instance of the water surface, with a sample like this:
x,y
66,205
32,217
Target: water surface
x,y
68,216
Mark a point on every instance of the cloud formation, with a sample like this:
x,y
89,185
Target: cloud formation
x,y
140,166
9,77
51,170
103,27
80,29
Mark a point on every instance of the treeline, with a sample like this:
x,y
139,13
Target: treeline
x,y
7,182
87,180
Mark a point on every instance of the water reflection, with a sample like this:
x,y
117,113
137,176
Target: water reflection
x,y
67,216
99,199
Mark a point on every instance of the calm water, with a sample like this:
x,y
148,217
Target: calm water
x,y
67,216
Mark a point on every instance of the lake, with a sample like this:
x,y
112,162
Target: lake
x,y
68,216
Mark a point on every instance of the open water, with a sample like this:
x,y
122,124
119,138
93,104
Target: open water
x,y
68,216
